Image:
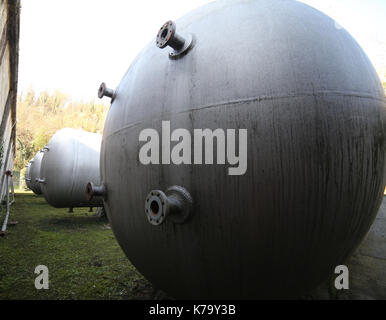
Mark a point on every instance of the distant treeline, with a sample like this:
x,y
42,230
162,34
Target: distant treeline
x,y
40,115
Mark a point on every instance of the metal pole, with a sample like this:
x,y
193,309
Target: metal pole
x,y
13,192
7,212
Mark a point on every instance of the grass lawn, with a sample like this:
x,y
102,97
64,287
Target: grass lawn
x,y
83,258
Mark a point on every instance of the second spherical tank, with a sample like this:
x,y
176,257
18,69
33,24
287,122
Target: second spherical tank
x,y
71,160
27,176
313,179
33,173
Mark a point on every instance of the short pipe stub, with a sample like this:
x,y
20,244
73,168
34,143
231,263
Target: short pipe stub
x,y
103,91
94,191
167,36
174,205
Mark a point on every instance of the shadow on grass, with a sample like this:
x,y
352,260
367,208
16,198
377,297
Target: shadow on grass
x,y
72,223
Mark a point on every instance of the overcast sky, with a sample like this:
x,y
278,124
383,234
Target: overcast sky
x,y
74,45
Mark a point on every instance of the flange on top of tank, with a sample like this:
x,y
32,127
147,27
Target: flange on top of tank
x,y
32,173
71,160
315,113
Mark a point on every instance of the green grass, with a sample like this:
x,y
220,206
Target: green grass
x,y
80,251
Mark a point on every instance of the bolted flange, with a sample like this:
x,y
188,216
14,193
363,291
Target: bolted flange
x,y
174,205
39,180
167,36
103,91
94,191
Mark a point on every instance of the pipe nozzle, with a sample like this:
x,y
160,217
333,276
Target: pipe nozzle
x,y
103,91
94,191
174,205
167,36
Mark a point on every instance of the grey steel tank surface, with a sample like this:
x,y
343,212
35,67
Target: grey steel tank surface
x,y
27,175
71,160
33,173
314,173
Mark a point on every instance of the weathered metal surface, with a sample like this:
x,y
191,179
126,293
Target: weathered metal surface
x,y
367,267
71,160
315,113
33,174
27,175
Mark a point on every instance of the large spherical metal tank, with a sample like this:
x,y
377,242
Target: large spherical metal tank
x,y
27,175
33,173
314,109
71,160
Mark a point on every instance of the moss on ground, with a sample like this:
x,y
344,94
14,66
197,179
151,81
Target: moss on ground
x,y
80,251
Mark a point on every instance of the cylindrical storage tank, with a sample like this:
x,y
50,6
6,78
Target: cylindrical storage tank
x,y
71,160
27,175
33,173
295,115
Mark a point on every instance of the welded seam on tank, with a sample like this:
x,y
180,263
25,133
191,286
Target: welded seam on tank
x,y
235,102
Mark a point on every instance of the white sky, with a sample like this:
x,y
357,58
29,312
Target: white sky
x,y
74,45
